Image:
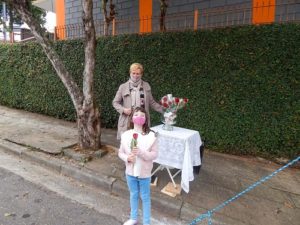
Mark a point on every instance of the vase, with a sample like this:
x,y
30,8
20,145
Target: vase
x,y
168,121
167,127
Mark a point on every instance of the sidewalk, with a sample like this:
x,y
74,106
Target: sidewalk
x,y
222,176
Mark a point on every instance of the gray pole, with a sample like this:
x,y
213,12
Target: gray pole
x,y
4,19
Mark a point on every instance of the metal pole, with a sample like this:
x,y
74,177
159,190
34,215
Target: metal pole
x,y
114,26
196,13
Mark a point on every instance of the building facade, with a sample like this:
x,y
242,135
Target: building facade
x,y
138,16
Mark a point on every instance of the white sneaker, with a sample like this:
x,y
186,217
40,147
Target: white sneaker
x,y
130,222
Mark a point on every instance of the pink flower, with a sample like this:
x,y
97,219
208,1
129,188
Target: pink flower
x,y
172,104
135,136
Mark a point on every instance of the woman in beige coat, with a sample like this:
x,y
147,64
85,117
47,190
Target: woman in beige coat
x,y
131,94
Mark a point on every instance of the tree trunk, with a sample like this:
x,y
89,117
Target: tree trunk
x,y
11,26
105,18
89,126
89,129
88,115
106,27
162,18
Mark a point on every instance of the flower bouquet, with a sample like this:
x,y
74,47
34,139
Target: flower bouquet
x,y
171,105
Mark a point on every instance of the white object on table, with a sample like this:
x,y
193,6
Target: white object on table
x,y
179,148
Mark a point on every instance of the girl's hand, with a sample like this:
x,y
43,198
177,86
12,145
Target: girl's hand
x,y
135,151
131,158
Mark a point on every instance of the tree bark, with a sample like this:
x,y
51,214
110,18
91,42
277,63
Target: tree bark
x,y
107,19
11,26
89,132
162,18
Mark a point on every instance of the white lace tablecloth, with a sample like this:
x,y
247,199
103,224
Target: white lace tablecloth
x,y
180,149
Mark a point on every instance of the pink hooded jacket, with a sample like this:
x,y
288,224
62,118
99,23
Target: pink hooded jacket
x,y
147,145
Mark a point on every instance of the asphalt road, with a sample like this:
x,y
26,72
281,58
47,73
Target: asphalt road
x,y
22,202
34,195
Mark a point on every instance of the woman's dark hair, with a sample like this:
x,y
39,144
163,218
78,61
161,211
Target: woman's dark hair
x,y
146,128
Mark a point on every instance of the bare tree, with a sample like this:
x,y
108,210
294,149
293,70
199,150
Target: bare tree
x,y
108,18
88,115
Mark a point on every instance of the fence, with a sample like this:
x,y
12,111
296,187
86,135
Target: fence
x,y
230,15
18,35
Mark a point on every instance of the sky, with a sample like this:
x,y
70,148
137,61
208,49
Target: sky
x,y
50,22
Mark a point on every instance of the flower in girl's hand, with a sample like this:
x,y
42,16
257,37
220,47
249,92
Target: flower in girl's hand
x,y
134,140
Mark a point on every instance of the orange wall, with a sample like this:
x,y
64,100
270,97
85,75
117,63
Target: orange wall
x,y
145,14
263,11
60,19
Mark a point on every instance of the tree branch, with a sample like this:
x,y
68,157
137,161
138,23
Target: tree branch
x,y
22,7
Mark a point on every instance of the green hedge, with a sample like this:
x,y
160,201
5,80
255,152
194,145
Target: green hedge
x,y
243,83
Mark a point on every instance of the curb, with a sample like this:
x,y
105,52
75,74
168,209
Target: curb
x,y
116,187
78,173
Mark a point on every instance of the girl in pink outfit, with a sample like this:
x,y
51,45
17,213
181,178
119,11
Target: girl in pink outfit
x,y
138,150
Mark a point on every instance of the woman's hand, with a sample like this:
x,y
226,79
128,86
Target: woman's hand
x,y
127,111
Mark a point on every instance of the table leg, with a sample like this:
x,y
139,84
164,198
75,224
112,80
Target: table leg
x,y
160,167
174,184
176,173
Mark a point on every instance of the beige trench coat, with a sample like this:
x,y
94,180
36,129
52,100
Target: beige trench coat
x,y
123,100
